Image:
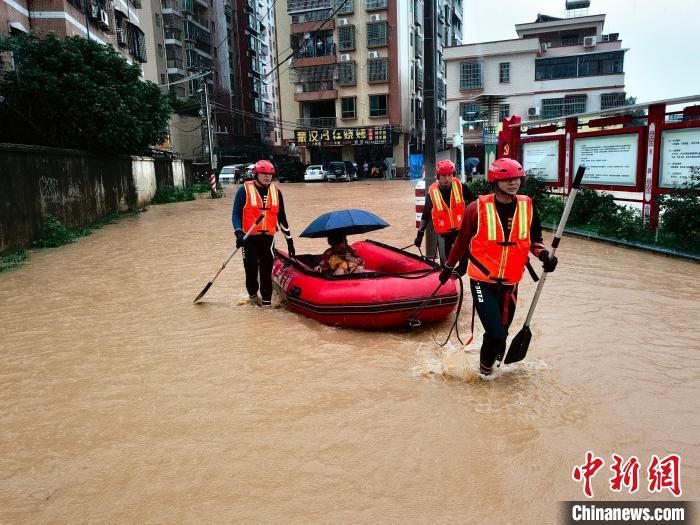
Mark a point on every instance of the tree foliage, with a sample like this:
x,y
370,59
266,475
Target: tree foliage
x,y
76,93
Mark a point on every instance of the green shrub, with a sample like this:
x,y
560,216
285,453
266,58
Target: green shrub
x,y
13,260
479,187
167,194
54,234
680,214
200,188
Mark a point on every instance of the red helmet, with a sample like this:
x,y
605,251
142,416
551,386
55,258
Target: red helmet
x,y
263,166
505,169
445,167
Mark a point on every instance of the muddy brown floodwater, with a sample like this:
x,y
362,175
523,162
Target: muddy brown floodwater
x,y
122,402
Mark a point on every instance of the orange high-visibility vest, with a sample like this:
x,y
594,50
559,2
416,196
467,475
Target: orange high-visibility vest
x,y
491,257
254,207
446,218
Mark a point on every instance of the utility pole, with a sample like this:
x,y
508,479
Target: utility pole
x,y
210,140
429,151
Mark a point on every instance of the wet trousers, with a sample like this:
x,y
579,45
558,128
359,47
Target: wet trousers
x,y
257,259
495,306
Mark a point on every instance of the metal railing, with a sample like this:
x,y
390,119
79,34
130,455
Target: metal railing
x,y
312,51
324,85
319,122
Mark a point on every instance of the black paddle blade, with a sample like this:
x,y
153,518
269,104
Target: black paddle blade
x,y
205,290
518,346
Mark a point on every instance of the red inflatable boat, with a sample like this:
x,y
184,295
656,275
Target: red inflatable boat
x,y
391,293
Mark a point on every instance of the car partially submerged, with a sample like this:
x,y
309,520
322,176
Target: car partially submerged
x,y
314,172
231,174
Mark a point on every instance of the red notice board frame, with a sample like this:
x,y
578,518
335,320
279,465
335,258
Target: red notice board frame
x,y
657,158
641,132
548,138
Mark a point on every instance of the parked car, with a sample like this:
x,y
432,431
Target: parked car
x,y
338,171
314,172
351,168
290,171
230,174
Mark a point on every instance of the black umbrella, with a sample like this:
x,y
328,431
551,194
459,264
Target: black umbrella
x,y
346,222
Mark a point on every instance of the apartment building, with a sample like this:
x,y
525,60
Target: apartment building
x,y
351,77
107,22
556,67
248,58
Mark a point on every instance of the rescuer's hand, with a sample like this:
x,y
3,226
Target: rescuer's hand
x,y
419,239
461,269
239,238
445,274
548,264
290,248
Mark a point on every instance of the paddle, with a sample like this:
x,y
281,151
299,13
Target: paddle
x,y
211,281
520,343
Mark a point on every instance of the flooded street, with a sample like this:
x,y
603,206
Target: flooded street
x,y
122,402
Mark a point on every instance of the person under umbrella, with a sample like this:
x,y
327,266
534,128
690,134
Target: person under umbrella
x,y
340,258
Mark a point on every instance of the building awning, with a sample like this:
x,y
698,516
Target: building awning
x,y
18,26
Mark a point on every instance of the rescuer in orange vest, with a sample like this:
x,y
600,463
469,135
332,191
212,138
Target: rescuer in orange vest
x,y
498,232
254,198
445,203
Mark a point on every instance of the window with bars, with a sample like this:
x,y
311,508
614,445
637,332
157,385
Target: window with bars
x,y
470,112
377,34
580,66
503,111
559,107
504,72
378,70
470,75
612,100
346,7
376,4
347,74
346,38
348,107
378,105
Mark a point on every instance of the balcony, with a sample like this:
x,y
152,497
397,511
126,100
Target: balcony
x,y
320,122
315,55
311,91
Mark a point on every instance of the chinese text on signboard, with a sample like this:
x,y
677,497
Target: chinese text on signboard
x,y
343,136
608,159
542,159
680,151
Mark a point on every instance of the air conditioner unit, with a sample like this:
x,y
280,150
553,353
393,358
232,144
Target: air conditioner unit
x,y
345,58
533,111
121,37
375,18
342,21
94,11
589,41
104,18
373,54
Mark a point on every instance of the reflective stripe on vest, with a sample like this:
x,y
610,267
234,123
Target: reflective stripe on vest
x,y
447,218
492,258
254,207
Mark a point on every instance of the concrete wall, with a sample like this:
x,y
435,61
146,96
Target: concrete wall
x,y
75,186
